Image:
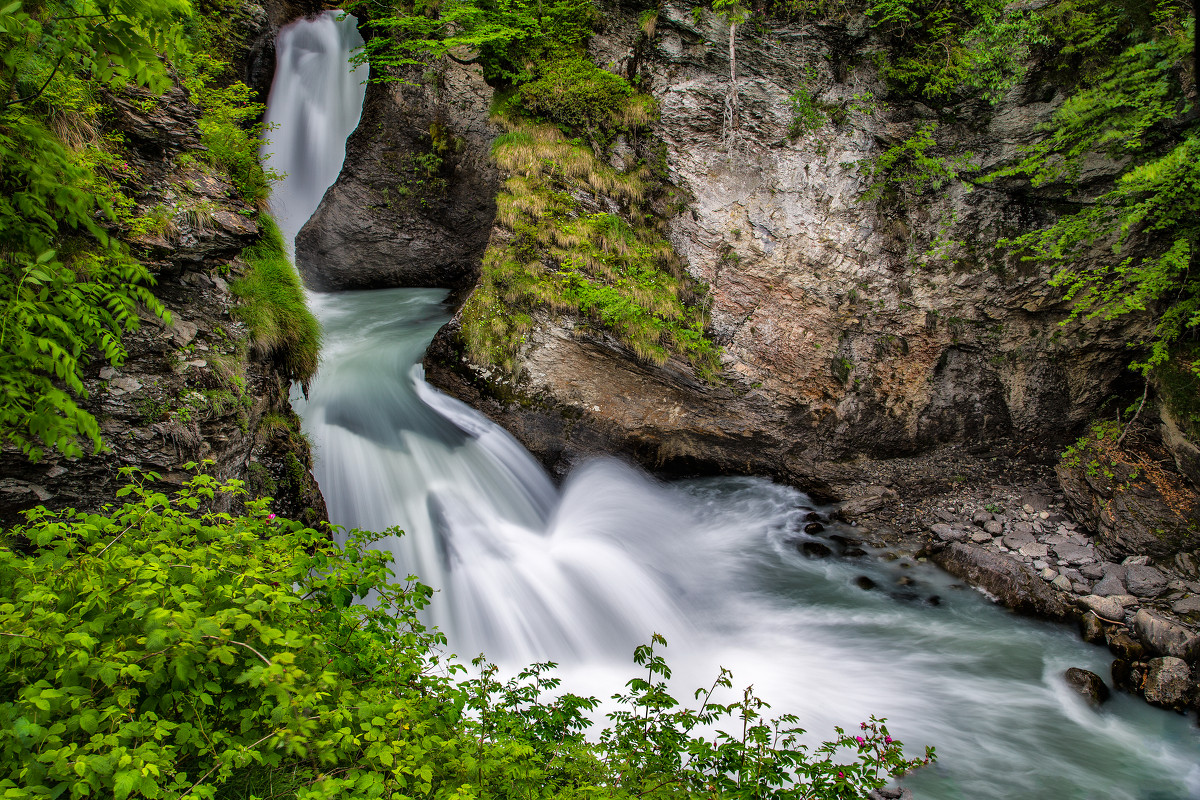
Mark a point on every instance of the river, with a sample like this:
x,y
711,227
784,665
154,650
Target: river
x,y
582,573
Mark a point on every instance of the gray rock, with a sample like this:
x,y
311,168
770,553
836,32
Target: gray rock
x,y
947,532
1126,600
183,332
123,385
873,498
1033,550
1144,581
1135,561
1103,607
1188,605
1088,685
1014,584
1075,554
994,527
1165,637
1091,628
1015,541
1048,574
1063,583
1109,585
891,794
1092,571
981,537
981,518
1166,682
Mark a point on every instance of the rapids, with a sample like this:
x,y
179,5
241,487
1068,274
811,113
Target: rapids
x,y
582,573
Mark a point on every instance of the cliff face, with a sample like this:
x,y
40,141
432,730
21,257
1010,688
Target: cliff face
x,y
848,327
199,389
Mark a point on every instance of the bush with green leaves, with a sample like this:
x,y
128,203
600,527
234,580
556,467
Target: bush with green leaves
x,y
163,649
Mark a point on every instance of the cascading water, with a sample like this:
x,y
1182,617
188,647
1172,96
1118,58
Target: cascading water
x,y
582,574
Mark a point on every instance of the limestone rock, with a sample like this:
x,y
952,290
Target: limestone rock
x,y
1165,637
1013,583
1108,585
1103,607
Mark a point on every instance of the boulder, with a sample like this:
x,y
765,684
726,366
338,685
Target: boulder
x,y
1088,685
1014,584
815,550
1166,682
1103,607
1124,646
1144,581
894,793
1109,585
1075,554
1091,628
1017,540
947,532
1165,637
873,498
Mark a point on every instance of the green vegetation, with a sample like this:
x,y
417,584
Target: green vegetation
x,y
69,286
272,305
912,166
567,250
162,650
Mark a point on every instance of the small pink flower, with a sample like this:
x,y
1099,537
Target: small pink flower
x,y
860,740
270,517
887,740
841,775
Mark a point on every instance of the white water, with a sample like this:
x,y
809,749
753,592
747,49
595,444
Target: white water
x,y
582,574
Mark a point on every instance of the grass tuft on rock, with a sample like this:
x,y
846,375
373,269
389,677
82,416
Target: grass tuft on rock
x,y
272,305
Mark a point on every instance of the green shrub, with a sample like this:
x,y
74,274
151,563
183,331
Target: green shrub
x,y
162,650
272,305
575,92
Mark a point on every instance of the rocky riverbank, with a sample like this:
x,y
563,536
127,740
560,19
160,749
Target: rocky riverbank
x,y
1001,522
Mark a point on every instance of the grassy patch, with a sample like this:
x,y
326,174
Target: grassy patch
x,y
564,254
272,305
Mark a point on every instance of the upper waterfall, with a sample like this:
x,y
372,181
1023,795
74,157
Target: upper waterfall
x,y
315,103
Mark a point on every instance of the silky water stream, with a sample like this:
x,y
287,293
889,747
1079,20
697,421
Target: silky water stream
x,y
582,573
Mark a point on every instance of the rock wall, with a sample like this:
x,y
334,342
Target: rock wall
x,y
849,328
196,389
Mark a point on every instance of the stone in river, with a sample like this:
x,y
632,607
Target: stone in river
x,y
864,583
815,550
814,527
1087,684
1091,628
1166,682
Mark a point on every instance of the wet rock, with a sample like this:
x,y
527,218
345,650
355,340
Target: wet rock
x,y
891,794
1167,683
1144,581
1124,646
934,600
1103,607
1164,637
1013,583
1091,628
853,552
905,580
864,583
815,550
814,527
1088,685
1109,585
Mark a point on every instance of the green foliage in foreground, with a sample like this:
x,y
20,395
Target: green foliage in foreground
x,y
162,650
272,304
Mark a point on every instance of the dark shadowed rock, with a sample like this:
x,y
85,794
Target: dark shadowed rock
x,y
415,201
815,550
864,583
1124,646
1091,628
1015,585
1088,685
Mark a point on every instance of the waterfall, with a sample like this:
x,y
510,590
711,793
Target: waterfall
x,y
526,571
314,104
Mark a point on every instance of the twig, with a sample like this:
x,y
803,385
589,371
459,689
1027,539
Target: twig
x,y
1136,414
265,660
